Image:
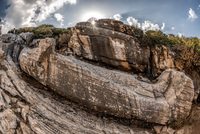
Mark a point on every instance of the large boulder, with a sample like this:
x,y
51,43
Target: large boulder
x,y
27,37
108,46
107,91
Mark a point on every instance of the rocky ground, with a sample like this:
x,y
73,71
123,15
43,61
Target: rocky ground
x,y
88,88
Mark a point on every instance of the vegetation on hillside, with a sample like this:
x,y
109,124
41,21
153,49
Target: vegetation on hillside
x,y
160,38
62,35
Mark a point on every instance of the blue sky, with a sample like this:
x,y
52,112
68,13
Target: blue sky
x,y
170,16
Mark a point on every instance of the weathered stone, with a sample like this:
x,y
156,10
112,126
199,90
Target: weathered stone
x,y
12,49
166,130
25,129
2,54
8,38
34,43
108,91
24,110
161,59
110,24
8,122
110,47
28,37
157,129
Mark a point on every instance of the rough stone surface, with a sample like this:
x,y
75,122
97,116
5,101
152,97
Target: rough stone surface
x,y
110,24
161,58
2,54
8,38
107,91
110,47
26,107
27,37
34,43
157,129
13,49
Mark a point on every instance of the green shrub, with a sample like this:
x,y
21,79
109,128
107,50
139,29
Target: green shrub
x,y
43,32
155,38
61,35
45,25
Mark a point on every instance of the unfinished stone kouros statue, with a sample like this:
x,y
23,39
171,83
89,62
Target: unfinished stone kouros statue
x,y
107,91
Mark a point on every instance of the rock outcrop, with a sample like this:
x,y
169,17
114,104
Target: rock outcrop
x,y
111,47
27,37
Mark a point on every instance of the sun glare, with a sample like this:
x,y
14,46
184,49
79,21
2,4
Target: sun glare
x,y
93,22
91,14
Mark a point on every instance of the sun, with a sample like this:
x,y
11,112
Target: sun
x,y
91,14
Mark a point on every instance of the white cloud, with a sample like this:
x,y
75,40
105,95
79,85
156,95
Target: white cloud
x,y
133,22
59,18
173,28
117,17
163,26
180,35
46,8
27,13
147,25
192,15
